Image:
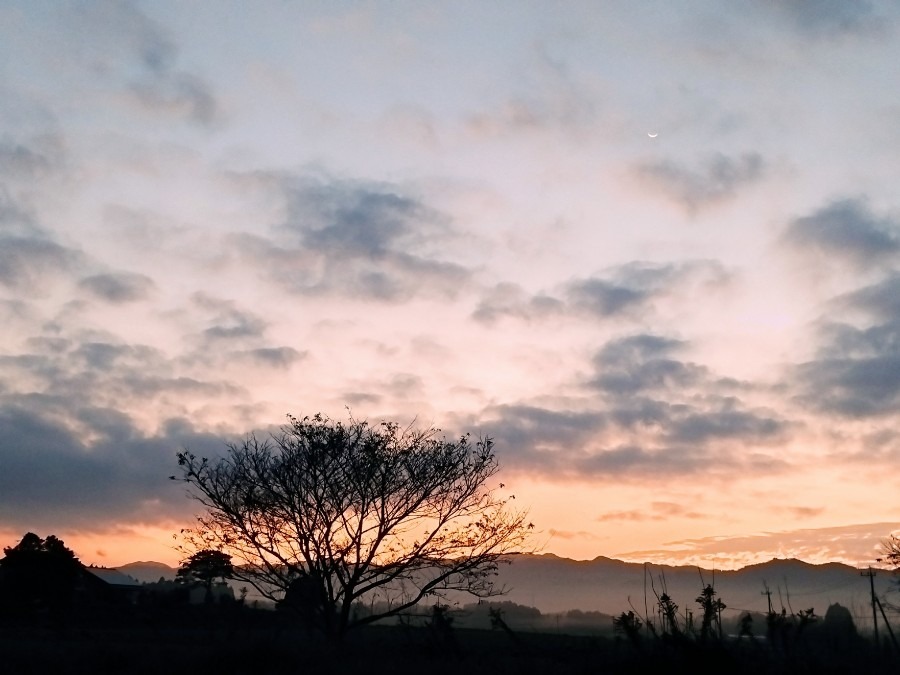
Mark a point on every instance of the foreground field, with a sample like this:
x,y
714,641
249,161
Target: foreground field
x,y
240,640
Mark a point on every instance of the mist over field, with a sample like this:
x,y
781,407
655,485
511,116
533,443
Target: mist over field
x,y
557,585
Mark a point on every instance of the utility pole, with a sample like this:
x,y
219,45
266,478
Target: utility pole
x,y
888,626
768,594
871,574
646,607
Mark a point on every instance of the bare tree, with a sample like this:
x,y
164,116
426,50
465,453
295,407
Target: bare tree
x,y
891,550
327,514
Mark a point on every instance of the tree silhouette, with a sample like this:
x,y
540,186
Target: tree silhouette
x,y
326,514
206,566
39,573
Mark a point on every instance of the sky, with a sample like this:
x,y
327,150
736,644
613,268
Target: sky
x,y
651,249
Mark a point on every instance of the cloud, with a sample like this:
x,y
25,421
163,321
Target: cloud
x,y
228,322
680,439
862,383
681,402
880,444
354,220
603,298
856,369
22,162
658,511
639,363
647,415
29,262
119,287
511,300
16,311
104,356
724,419
91,426
881,299
633,516
361,398
858,544
848,231
30,257
118,26
628,290
52,478
830,18
402,385
60,373
635,285
716,179
236,325
536,438
653,462
356,239
180,386
179,95
13,216
121,45
579,535
272,357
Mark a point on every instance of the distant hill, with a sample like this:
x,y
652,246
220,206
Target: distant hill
x,y
556,585
148,572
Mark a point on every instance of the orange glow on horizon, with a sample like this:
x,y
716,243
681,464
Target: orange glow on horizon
x,y
113,548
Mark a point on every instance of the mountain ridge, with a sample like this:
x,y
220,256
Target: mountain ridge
x,y
555,584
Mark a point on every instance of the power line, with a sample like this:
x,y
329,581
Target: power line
x,y
825,589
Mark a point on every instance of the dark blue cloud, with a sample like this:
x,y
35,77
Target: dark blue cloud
x,y
847,230
626,291
856,368
355,239
678,418
50,477
630,365
856,373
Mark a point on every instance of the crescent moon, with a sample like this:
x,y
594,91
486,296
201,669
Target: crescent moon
x,y
652,135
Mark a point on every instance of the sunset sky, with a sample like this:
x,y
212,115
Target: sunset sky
x,y
651,248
